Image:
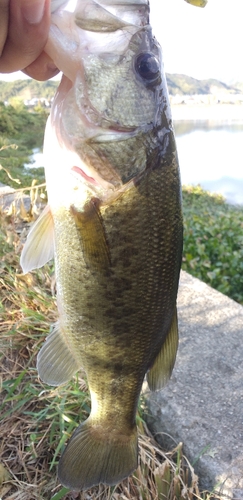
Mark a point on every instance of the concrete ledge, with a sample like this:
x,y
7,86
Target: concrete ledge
x,y
202,405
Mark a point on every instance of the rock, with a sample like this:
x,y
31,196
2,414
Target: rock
x,y
202,405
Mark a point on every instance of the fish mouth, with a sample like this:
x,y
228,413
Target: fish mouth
x,y
115,133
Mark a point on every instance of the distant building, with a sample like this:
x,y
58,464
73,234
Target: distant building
x,y
35,101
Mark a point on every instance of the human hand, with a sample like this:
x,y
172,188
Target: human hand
x,y
24,27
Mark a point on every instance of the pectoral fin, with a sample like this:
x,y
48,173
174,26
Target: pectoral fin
x,y
39,246
162,368
92,234
55,362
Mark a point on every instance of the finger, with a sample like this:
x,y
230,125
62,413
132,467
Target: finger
x,y
42,68
29,22
4,4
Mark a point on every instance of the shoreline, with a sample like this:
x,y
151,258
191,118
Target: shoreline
x,y
214,112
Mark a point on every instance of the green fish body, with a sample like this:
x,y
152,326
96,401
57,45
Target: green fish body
x,y
114,226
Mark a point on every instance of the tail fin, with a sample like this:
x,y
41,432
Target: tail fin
x,y
95,456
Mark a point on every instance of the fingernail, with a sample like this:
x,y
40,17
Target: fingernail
x,y
33,11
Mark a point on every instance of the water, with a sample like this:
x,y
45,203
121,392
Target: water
x,y
36,159
211,154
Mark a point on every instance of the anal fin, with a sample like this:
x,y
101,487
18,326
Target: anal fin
x,y
55,362
159,374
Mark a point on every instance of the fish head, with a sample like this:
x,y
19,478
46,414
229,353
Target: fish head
x,y
118,98
117,93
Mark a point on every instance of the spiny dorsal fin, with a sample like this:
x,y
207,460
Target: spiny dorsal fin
x,y
39,246
162,368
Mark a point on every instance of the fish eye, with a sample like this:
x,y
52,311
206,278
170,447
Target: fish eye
x,y
147,66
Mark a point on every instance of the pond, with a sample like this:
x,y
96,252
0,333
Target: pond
x,y
211,154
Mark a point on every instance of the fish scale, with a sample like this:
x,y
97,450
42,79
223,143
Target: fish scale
x,y
114,226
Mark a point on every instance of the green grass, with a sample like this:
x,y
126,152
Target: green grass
x,y
213,241
20,132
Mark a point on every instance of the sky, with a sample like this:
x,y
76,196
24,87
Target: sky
x,y
203,43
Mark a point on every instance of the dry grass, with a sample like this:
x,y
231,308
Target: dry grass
x,y
36,420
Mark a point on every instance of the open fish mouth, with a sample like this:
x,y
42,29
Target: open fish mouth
x,y
116,134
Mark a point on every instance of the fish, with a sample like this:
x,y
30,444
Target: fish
x,y
113,224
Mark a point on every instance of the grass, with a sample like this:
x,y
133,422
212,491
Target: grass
x,y
37,420
213,241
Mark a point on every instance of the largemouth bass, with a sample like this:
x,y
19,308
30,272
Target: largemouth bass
x,y
113,224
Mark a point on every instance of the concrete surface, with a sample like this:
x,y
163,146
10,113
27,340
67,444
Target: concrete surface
x,y
202,405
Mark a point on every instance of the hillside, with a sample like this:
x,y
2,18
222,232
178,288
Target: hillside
x,y
27,89
177,84
183,84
